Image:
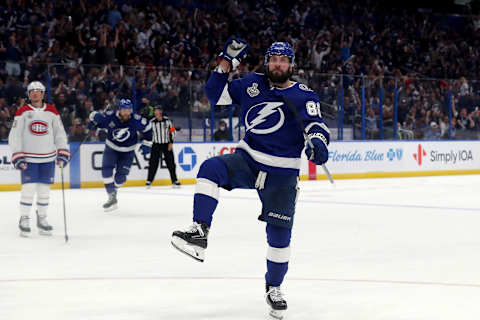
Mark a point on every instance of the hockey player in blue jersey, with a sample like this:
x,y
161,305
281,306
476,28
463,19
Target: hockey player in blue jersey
x,y
267,159
122,138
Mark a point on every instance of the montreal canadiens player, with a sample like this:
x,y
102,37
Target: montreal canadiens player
x,y
37,139
267,159
122,137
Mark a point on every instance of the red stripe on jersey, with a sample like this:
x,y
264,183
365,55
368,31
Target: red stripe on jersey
x,y
17,155
64,152
52,109
22,109
49,107
40,154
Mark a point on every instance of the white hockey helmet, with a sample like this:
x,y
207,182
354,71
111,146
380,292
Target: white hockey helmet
x,y
35,85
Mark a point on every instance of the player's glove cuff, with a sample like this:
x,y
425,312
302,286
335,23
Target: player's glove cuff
x,y
318,135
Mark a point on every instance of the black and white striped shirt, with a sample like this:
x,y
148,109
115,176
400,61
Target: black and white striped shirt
x,y
163,130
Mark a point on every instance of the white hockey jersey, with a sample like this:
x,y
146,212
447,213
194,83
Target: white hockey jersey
x,y
37,133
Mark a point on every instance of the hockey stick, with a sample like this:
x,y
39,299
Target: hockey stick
x,y
305,135
64,211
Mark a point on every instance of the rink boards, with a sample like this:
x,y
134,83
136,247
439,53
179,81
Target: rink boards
x,y
347,160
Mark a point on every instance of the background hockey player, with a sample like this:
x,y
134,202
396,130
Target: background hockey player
x,y
267,159
37,139
123,129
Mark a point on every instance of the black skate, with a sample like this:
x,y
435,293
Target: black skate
x,y
44,228
148,184
176,184
111,204
24,226
275,300
193,241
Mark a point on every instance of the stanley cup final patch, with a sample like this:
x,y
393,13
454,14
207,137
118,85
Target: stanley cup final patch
x,y
253,90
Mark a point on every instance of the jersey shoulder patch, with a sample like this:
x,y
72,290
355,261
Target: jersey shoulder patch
x,y
304,87
109,113
137,117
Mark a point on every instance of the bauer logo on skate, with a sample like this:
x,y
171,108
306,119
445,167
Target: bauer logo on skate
x,y
39,128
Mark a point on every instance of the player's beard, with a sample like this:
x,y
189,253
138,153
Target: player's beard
x,y
278,77
124,118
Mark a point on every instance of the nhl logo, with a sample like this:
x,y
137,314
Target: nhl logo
x,y
111,124
253,90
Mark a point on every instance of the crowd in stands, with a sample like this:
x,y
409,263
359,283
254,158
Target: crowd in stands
x,y
92,53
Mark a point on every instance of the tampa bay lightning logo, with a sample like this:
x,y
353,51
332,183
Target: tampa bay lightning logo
x,y
265,118
121,134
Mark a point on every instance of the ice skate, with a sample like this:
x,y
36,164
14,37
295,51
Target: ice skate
x,y
24,226
278,305
176,184
111,204
148,185
44,228
193,241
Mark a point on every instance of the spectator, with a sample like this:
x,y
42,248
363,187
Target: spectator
x,y
201,105
433,132
222,134
14,55
77,132
3,133
371,124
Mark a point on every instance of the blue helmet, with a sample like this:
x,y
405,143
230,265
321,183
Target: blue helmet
x,y
280,49
125,104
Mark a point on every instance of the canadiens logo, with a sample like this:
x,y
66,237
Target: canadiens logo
x,y
121,134
38,127
265,117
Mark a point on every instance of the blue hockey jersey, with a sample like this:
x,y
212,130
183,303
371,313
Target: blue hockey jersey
x,y
274,139
122,136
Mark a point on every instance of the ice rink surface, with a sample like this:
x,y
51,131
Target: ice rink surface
x,y
393,249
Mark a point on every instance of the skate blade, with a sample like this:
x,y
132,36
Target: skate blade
x,y
114,207
277,314
194,252
175,187
24,234
44,233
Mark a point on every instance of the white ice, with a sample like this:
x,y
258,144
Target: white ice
x,y
393,249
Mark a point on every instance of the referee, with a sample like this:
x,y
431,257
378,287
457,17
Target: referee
x,y
163,134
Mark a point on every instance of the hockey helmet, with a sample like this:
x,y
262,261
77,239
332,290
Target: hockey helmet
x,y
125,104
280,49
35,85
